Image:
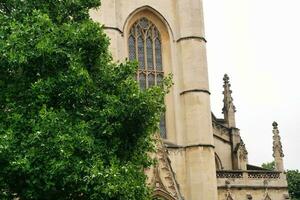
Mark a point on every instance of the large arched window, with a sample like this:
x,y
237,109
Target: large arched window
x,y
145,46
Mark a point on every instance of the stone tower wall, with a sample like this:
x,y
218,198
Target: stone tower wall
x,y
188,115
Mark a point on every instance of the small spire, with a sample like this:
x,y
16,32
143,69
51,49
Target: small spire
x,y
229,108
277,148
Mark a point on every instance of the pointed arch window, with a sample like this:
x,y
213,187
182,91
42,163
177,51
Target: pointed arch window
x,y
145,46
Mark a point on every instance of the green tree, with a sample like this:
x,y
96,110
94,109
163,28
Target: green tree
x,y
73,124
293,178
269,165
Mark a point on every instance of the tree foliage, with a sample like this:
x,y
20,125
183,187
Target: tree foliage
x,y
293,178
269,165
73,124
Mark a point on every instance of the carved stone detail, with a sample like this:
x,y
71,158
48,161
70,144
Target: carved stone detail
x,y
229,195
264,175
277,146
267,197
163,176
249,196
229,174
218,128
250,174
243,153
228,100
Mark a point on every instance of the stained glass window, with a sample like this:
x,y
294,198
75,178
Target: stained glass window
x,y
144,45
141,53
151,80
131,43
159,78
162,127
150,54
142,81
158,54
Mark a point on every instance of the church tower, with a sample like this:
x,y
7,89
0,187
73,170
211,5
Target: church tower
x,y
168,37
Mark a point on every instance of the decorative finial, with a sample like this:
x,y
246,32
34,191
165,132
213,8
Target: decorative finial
x,y
226,79
277,148
229,108
275,125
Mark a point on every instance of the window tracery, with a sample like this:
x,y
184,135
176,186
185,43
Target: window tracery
x,y
145,46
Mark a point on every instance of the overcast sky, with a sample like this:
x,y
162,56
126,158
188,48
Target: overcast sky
x,y
257,42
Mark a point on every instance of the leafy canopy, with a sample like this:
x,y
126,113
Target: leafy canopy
x,y
269,165
293,178
73,124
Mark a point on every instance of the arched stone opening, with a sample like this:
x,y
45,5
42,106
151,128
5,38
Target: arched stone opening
x,y
162,43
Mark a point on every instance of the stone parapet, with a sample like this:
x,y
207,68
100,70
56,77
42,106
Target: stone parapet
x,y
251,178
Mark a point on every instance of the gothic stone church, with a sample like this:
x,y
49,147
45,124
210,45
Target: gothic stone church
x,y
200,157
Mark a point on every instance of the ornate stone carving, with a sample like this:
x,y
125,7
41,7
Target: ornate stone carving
x,y
229,195
229,108
267,197
228,100
277,146
163,178
249,196
263,175
251,174
229,174
243,153
218,128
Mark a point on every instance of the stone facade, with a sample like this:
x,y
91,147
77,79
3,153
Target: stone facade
x,y
201,157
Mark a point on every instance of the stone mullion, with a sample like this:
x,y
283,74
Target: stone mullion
x,y
136,52
154,55
145,57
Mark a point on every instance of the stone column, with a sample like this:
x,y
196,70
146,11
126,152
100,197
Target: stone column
x,y
200,170
107,16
